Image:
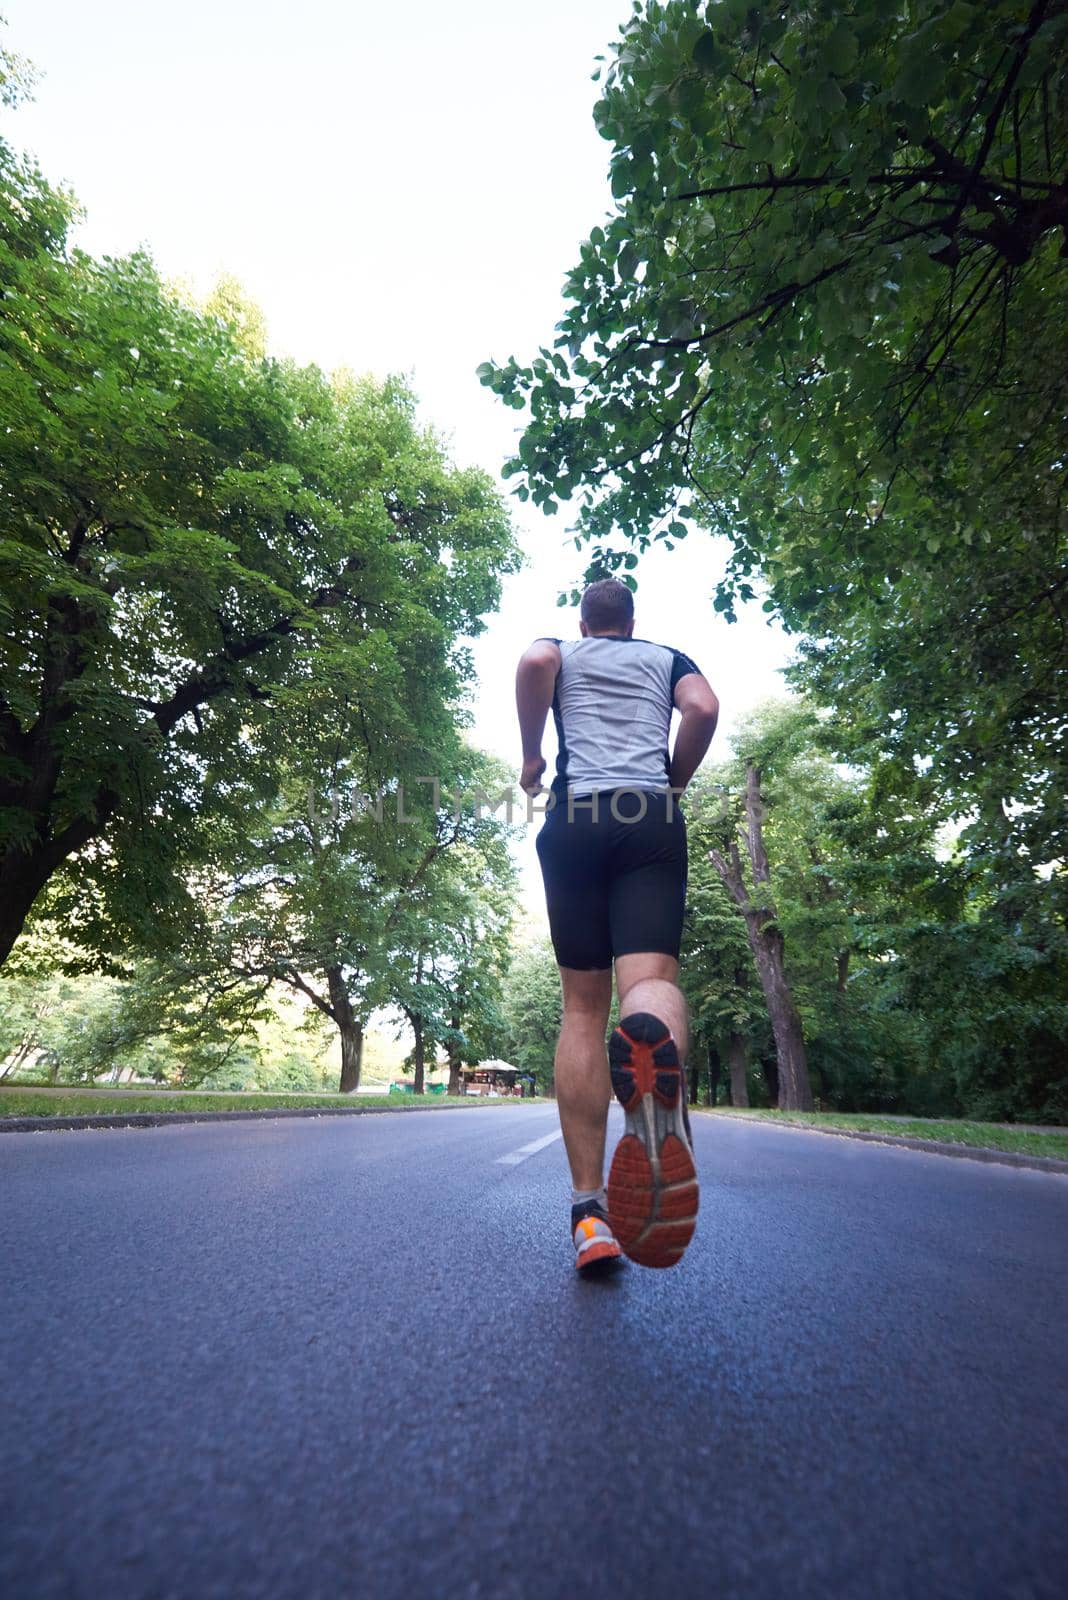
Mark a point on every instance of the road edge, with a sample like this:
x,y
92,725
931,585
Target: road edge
x,y
163,1119
934,1147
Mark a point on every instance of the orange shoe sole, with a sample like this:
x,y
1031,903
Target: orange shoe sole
x,y
598,1255
652,1185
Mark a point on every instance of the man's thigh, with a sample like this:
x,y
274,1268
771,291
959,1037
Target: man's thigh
x,y
647,890
576,894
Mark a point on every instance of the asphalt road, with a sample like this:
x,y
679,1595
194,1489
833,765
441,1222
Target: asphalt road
x,y
352,1358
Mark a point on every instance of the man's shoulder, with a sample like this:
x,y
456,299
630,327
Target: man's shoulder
x,y
681,663
656,644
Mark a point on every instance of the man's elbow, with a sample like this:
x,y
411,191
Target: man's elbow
x,y
705,712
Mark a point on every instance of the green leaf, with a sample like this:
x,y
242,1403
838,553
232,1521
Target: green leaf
x,y
840,48
830,97
707,55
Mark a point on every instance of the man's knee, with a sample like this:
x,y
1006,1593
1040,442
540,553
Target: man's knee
x,y
645,967
587,995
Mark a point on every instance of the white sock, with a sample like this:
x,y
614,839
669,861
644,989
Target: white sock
x,y
581,1197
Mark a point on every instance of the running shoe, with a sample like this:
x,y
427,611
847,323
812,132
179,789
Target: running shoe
x,y
596,1247
652,1184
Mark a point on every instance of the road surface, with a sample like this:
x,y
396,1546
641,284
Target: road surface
x,y
351,1358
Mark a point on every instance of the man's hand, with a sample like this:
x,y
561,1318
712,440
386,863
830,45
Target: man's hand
x,y
530,778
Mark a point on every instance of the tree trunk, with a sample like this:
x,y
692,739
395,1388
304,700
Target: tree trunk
x,y
15,1061
795,1090
24,873
452,1050
770,1068
715,1072
21,881
766,942
350,1028
737,1061
841,963
419,1057
694,1080
351,1057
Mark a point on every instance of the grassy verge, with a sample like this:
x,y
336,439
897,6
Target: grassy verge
x,y
982,1135
97,1102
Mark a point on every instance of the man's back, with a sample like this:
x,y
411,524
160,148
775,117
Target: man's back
x,y
612,707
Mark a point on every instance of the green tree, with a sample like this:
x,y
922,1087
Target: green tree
x,y
727,1014
358,888
196,541
446,947
965,998
533,1009
827,318
850,877
158,1023
17,76
853,870
766,742
472,932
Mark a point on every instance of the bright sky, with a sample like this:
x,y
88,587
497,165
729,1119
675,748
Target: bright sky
x,y
402,189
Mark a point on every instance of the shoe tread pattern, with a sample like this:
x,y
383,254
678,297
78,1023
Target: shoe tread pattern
x,y
652,1194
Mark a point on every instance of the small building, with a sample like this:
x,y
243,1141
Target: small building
x,y
495,1078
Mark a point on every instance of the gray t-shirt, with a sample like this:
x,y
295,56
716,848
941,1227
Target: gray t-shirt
x,y
612,706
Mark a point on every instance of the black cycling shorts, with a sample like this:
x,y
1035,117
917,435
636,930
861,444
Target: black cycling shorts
x,y
615,877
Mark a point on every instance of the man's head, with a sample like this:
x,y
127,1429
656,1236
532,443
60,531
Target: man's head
x,y
607,608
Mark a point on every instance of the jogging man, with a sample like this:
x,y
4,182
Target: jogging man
x,y
613,856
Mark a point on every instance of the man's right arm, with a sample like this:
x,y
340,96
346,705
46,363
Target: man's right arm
x,y
697,702
534,685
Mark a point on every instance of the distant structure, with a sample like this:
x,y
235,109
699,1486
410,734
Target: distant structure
x,y
496,1077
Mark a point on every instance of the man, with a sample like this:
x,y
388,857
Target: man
x,y
613,856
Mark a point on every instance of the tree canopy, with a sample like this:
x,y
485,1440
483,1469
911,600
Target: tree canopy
x,y
827,320
198,541
918,989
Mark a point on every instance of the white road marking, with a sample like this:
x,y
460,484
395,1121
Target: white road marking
x,y
525,1151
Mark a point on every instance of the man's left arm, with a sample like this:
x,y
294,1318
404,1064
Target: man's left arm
x,y
535,682
700,712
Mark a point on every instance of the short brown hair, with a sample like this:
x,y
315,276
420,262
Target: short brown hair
x,y
607,606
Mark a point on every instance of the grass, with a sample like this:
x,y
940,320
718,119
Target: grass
x,y
981,1135
98,1102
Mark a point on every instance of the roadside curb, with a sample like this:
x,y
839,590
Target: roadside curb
x,y
163,1119
934,1147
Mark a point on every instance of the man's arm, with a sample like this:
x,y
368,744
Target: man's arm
x,y
534,684
700,712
